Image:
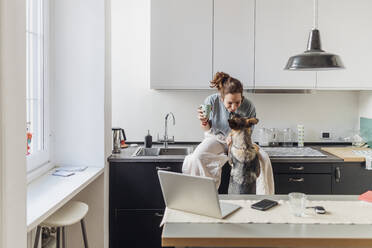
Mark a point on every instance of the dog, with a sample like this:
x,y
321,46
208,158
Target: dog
x,y
242,156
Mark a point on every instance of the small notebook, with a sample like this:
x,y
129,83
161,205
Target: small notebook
x,y
367,196
63,173
71,168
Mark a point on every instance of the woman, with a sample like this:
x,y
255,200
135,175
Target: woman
x,y
210,155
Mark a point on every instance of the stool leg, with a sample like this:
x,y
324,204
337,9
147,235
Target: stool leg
x,y
84,233
58,237
63,237
37,237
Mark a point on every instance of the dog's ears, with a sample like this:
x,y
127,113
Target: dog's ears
x,y
250,122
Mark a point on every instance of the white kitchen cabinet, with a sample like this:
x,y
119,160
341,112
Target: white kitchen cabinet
x,y
233,49
345,29
282,29
181,44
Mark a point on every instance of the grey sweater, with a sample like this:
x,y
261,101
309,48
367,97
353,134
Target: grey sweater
x,y
219,116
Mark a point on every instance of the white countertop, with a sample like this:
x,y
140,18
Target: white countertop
x,y
48,193
269,235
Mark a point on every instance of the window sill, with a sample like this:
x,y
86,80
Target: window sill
x,y
48,193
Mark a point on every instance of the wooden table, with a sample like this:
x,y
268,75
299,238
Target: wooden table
x,y
269,235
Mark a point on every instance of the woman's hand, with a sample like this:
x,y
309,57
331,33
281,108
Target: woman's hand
x,y
228,140
204,120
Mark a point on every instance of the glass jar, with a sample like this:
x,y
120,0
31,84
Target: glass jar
x,y
288,137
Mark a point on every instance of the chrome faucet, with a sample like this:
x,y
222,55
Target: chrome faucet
x,y
165,139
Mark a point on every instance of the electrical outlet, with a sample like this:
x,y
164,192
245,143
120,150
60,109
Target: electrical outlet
x,y
325,135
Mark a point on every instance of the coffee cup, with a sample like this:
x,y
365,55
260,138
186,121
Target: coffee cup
x,y
206,109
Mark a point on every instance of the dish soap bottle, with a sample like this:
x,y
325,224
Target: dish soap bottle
x,y
148,140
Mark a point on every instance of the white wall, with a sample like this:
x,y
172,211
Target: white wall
x,y
12,123
81,108
136,108
365,104
78,98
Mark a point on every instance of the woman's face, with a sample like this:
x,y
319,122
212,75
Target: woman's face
x,y
232,101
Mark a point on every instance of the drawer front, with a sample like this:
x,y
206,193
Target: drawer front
x,y
136,185
305,183
289,168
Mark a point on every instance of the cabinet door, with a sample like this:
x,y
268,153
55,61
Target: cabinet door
x,y
233,50
136,228
181,44
345,29
305,183
136,185
351,179
282,29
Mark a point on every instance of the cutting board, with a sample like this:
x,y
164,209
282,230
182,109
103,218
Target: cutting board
x,y
346,153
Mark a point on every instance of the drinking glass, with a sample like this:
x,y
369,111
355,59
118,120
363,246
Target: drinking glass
x,y
288,137
297,203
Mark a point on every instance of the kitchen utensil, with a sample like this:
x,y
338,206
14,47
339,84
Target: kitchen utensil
x,y
118,138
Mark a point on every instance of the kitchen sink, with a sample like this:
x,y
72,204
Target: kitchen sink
x,y
142,151
157,151
174,151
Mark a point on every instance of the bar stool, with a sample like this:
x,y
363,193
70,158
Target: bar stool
x,y
70,213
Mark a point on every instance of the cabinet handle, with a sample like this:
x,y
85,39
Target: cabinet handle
x,y
296,179
301,168
338,175
159,215
163,168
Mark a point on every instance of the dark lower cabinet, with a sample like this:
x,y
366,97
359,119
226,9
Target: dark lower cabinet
x,y
136,203
137,228
351,179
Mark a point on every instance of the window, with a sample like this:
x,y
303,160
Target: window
x,y
37,84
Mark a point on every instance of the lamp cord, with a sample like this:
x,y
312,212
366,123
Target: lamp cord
x,y
315,21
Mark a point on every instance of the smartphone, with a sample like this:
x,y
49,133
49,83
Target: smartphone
x,y
264,204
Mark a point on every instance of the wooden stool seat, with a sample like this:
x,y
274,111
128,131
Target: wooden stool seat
x,y
69,214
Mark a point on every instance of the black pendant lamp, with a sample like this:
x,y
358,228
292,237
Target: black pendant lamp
x,y
314,58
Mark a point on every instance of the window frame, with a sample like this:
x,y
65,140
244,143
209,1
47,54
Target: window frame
x,y
43,157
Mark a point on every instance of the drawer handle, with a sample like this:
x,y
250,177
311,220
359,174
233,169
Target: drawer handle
x,y
296,179
301,168
163,168
159,215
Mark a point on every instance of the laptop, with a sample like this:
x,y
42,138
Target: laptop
x,y
193,194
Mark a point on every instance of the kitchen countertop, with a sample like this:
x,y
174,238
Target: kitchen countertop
x,y
269,235
126,156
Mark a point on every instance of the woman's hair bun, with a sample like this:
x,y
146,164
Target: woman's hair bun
x,y
219,79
